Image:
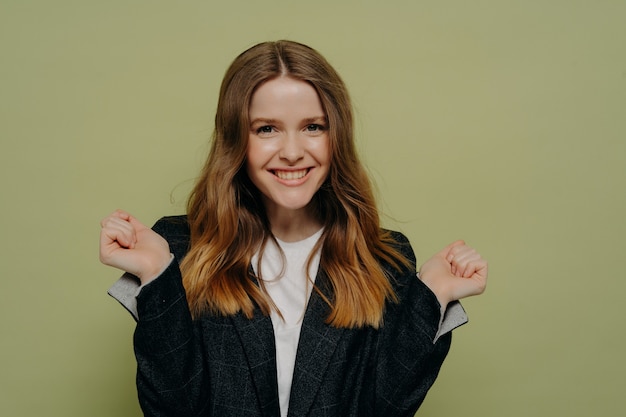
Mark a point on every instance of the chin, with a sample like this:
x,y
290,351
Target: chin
x,y
291,204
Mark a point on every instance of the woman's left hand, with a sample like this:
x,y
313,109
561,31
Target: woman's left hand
x,y
456,272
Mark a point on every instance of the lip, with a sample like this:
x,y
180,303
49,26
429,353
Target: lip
x,y
289,176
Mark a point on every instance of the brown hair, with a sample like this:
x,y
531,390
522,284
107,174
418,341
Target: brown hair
x,y
227,217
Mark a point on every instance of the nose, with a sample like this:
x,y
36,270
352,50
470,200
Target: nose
x,y
292,148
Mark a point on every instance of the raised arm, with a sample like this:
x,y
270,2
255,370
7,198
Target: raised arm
x,y
412,349
171,379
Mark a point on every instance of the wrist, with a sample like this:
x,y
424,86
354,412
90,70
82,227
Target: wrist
x,y
439,287
155,270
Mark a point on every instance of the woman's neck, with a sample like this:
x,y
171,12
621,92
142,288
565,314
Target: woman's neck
x,y
293,225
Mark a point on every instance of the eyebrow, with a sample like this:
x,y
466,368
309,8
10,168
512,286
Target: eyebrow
x,y
308,120
263,120
318,119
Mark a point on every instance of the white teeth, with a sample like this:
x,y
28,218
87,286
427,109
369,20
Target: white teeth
x,y
290,175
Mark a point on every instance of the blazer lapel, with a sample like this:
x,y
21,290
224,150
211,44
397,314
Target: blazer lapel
x,y
317,344
257,338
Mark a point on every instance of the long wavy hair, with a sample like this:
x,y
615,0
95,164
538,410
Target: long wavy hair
x,y
228,220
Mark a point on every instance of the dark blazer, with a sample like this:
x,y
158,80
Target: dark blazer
x,y
226,366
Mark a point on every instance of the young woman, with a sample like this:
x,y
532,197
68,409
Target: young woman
x,y
278,294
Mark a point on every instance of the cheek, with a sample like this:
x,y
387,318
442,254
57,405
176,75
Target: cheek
x,y
260,151
254,154
324,151
319,148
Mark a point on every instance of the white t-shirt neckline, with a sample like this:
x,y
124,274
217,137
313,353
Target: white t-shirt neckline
x,y
289,285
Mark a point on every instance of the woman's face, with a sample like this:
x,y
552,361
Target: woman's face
x,y
288,155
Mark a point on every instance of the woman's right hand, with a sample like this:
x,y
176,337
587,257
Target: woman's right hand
x,y
126,244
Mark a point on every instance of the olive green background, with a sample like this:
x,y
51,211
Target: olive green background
x,y
500,122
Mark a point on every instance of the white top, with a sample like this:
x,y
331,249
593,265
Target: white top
x,y
289,286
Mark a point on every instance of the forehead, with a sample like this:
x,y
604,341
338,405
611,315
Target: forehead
x,y
285,97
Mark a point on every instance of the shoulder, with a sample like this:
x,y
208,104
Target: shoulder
x,y
400,243
413,295
404,276
172,225
174,229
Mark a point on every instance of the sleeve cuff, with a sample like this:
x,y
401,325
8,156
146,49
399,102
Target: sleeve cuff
x,y
451,317
126,289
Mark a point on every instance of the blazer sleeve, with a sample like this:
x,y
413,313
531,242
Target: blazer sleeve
x,y
411,345
170,376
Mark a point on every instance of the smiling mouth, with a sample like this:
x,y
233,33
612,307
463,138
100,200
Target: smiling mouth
x,y
291,175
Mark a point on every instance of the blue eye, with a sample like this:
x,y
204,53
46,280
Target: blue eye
x,y
314,127
265,129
